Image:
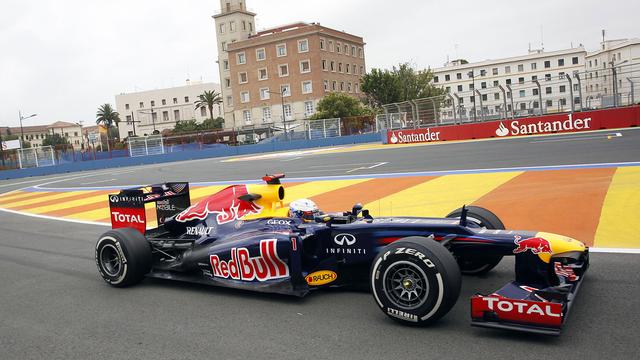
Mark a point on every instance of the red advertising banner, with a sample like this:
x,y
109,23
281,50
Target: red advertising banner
x,y
549,124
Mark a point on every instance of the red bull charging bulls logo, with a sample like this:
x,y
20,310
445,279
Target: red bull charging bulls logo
x,y
225,204
241,266
537,245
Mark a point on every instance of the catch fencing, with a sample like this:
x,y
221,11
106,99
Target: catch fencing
x,y
486,98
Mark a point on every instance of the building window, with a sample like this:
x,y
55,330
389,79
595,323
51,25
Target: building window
x,y
330,45
261,54
496,96
484,97
308,108
494,71
333,66
362,70
521,80
322,46
303,46
459,76
507,69
483,72
576,87
483,85
283,70
447,77
246,116
285,90
346,49
547,64
126,106
535,91
244,97
164,101
349,87
287,112
339,47
176,115
324,65
266,114
534,78
574,60
175,101
262,74
305,66
560,62
353,50
563,101
203,111
522,93
534,66
224,45
227,82
348,68
341,85
307,87
339,67
128,122
547,90
264,94
496,83
165,116
360,53
244,25
334,85
508,81
230,100
186,99
357,86
326,85
153,103
520,67
222,28
563,88
460,88
547,77
242,59
281,50
141,104
471,87
232,26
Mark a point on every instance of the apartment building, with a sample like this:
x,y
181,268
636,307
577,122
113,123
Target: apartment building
x,y
475,83
615,66
35,134
147,112
283,72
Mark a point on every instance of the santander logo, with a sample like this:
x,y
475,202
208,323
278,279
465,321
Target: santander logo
x,y
502,130
394,138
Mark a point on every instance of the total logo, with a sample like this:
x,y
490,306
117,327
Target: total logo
x,y
127,218
266,266
521,307
542,127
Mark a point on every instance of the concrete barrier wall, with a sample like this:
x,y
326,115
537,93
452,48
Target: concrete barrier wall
x,y
548,124
189,155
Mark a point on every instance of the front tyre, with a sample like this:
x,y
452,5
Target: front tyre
x,y
415,280
123,257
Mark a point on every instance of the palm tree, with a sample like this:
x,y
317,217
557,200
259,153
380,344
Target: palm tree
x,y
208,99
107,116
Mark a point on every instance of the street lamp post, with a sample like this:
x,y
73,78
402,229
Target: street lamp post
x,y
615,81
473,81
284,117
21,129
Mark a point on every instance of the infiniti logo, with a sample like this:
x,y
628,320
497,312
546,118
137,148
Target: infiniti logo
x,y
344,239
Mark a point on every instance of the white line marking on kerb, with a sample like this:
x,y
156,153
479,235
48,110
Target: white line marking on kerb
x,y
84,222
580,138
367,167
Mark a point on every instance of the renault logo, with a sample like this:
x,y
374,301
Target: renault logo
x,y
344,239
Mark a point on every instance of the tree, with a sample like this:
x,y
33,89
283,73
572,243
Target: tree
x,y
209,99
402,83
339,105
186,126
107,116
54,140
216,123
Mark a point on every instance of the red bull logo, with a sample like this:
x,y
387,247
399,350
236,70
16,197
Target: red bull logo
x,y
225,204
537,245
267,266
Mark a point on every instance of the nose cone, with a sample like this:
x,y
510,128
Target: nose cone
x,y
559,244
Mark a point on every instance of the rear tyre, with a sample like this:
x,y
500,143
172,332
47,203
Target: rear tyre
x,y
123,257
415,281
479,264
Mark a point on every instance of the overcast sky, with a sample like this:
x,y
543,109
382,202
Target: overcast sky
x,y
63,58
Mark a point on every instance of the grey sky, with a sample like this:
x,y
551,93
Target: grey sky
x,y
63,58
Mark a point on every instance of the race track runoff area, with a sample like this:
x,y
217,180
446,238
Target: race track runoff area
x,y
597,205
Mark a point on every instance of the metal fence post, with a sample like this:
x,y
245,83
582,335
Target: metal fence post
x,y
577,76
504,99
539,94
458,108
513,110
573,104
435,111
453,103
481,109
633,98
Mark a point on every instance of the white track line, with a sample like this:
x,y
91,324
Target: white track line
x,y
55,218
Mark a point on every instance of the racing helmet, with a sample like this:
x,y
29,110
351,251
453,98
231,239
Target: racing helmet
x,y
304,209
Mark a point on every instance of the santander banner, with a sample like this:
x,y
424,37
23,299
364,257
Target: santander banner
x,y
549,124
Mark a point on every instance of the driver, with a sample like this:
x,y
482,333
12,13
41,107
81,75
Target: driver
x,y
304,209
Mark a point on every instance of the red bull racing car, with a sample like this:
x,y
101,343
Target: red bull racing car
x,y
245,237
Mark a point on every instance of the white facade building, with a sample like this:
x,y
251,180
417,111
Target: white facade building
x,y
476,83
156,110
623,56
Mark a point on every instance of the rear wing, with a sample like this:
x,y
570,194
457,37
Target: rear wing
x,y
128,206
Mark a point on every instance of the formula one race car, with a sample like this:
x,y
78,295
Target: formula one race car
x,y
245,237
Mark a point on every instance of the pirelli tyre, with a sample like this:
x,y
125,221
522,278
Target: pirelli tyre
x,y
479,264
415,280
123,257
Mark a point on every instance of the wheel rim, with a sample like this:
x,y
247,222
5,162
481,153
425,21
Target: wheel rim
x,y
406,285
110,260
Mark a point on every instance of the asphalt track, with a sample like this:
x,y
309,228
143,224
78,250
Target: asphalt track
x,y
54,305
